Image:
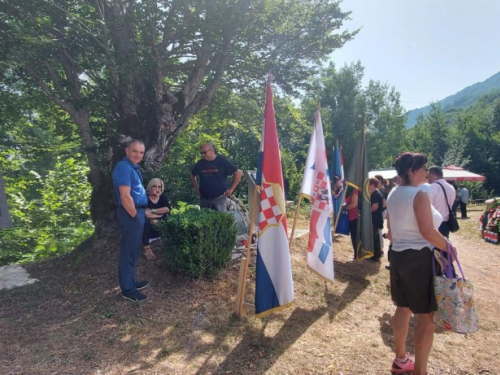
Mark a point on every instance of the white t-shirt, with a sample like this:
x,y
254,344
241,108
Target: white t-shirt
x,y
403,222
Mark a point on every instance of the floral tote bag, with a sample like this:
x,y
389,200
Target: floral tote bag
x,y
456,310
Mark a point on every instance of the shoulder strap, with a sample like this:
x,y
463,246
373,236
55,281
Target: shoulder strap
x,y
445,196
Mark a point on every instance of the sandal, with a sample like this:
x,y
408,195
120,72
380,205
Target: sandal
x,y
148,253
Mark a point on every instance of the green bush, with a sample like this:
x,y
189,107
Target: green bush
x,y
198,242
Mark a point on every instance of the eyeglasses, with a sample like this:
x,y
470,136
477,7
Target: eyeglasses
x,y
204,152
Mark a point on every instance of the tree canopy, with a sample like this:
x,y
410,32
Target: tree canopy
x,y
144,68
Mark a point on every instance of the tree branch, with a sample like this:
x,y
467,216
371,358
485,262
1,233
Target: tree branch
x,y
107,49
56,80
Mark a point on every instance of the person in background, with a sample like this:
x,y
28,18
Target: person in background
x,y
413,232
132,201
382,187
376,199
213,171
443,197
463,196
158,209
351,205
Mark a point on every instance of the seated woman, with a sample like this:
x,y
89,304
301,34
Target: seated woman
x,y
158,208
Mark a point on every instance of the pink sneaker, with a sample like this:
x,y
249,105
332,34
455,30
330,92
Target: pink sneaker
x,y
407,366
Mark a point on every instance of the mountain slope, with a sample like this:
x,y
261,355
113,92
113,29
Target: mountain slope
x,y
462,99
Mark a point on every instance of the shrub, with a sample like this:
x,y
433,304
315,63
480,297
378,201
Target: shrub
x,y
198,242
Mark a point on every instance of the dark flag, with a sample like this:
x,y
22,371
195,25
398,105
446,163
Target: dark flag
x,y
357,177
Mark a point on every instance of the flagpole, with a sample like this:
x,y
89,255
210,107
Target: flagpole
x,y
240,295
294,222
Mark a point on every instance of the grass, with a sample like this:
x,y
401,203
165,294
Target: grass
x,y
74,322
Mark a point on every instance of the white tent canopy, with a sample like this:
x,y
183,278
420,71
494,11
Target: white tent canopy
x,y
450,173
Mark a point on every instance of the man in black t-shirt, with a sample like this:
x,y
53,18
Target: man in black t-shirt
x,y
213,171
377,200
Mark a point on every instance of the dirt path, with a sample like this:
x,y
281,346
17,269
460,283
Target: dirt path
x,y
74,322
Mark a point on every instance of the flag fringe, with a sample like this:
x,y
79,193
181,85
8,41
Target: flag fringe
x,y
274,309
320,275
353,185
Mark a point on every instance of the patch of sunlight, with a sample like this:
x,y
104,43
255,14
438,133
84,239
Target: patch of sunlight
x,y
126,338
208,338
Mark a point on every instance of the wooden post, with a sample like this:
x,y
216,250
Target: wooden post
x,y
242,279
294,222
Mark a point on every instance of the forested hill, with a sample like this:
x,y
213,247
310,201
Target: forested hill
x,y
462,99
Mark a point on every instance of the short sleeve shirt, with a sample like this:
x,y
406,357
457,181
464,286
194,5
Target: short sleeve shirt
x,y
128,174
213,176
377,217
162,202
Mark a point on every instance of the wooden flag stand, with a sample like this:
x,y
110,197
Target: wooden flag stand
x,y
294,222
242,279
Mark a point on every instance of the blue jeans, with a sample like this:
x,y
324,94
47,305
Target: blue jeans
x,y
218,203
130,247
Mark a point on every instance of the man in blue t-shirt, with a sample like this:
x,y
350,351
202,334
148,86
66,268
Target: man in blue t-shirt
x,y
132,200
213,171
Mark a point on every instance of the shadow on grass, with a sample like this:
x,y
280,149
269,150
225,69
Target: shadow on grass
x,y
256,353
355,275
80,322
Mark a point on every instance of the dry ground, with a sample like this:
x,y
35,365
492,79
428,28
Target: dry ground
x,y
74,322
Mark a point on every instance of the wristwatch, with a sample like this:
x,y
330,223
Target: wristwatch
x,y
153,210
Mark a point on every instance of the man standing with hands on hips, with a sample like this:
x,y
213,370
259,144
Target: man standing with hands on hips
x,y
213,171
132,201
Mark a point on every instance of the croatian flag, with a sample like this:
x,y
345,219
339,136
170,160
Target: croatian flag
x,y
316,186
274,284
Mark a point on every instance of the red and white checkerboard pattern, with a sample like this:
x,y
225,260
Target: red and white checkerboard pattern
x,y
319,198
270,213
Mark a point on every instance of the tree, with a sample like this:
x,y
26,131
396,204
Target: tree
x,y
144,68
45,178
430,135
347,106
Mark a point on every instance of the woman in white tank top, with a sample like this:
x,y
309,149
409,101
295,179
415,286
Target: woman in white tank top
x,y
412,231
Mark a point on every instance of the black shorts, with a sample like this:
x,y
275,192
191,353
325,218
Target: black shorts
x,y
412,280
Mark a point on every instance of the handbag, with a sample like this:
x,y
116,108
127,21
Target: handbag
x,y
343,224
452,219
456,310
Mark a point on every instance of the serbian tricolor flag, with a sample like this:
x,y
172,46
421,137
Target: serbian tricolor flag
x,y
316,186
274,284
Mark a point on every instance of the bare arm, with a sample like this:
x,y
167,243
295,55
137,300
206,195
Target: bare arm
x,y
159,212
127,201
389,234
423,213
374,207
236,180
195,184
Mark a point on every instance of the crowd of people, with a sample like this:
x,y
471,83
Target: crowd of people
x,y
140,208
416,210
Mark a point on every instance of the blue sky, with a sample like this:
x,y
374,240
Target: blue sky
x,y
426,49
